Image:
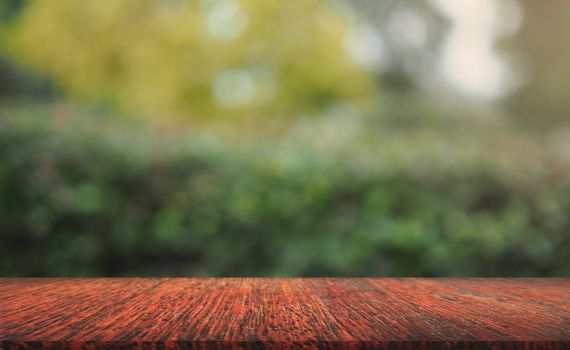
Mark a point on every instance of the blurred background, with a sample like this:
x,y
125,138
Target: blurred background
x,y
284,138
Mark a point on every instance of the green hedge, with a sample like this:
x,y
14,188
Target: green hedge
x,y
121,202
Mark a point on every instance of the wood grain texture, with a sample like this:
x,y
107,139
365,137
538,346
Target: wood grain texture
x,y
154,314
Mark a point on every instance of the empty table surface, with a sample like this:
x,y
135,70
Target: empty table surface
x,y
265,313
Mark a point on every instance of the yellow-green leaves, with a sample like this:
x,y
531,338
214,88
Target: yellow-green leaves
x,y
193,59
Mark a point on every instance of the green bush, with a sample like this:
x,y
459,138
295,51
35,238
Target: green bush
x,y
108,202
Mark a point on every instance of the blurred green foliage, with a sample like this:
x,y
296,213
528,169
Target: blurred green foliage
x,y
90,201
418,184
195,59
10,8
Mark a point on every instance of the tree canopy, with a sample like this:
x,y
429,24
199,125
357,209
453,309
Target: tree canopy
x,y
194,59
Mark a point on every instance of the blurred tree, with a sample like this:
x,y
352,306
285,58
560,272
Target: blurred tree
x,y
408,35
543,42
192,59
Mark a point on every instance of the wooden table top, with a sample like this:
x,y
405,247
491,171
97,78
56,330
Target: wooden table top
x,y
177,313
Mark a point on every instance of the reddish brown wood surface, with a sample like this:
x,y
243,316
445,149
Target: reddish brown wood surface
x,y
284,313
